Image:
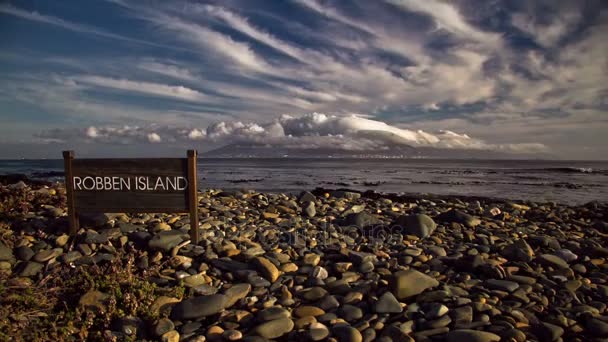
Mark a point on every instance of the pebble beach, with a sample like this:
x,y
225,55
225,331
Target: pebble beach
x,y
324,265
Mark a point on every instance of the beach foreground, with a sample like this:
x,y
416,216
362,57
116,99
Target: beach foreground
x,y
326,265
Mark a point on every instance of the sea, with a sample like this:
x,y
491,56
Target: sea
x,y
567,182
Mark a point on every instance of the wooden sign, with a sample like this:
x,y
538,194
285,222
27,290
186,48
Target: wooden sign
x,y
143,185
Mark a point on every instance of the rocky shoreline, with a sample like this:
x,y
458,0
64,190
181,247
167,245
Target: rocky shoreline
x,y
327,265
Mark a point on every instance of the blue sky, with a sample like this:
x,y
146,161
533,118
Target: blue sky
x,y
156,77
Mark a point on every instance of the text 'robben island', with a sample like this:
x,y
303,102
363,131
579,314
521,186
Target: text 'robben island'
x,y
137,183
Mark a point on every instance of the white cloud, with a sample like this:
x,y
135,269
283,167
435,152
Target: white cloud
x,y
154,137
213,42
315,130
448,17
171,70
179,92
549,33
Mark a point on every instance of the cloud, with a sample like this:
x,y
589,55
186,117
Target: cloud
x,y
448,17
154,138
315,130
179,92
544,29
171,70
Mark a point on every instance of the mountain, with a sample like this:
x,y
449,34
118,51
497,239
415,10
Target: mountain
x,y
252,150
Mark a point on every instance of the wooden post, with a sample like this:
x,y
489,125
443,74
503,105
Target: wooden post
x,y
193,196
74,223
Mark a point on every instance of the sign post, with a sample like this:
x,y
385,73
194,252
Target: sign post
x,y
143,185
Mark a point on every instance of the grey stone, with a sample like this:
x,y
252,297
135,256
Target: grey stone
x,y
387,303
419,225
274,329
23,253
459,217
309,209
236,293
346,333
273,313
469,335
410,283
198,307
553,261
504,285
6,254
166,240
31,268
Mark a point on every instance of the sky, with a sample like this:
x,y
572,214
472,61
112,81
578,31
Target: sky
x,y
153,78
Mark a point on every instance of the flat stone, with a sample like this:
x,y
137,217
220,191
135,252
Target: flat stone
x,y
268,269
462,315
549,332
459,217
552,260
317,331
236,293
313,293
194,280
170,336
275,328
566,255
62,240
419,225
273,313
31,268
198,307
24,253
435,310
167,240
308,310
387,303
597,327
94,300
519,250
163,326
6,254
469,335
504,285
350,313
346,333
361,220
309,209
319,272
162,304
409,283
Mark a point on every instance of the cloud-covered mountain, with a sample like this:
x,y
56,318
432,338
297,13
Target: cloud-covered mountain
x,y
313,132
